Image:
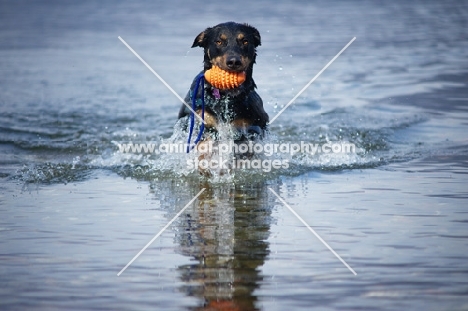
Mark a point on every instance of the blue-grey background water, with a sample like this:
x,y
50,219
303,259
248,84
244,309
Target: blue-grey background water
x,y
74,210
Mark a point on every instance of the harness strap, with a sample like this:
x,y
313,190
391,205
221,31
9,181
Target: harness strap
x,y
200,80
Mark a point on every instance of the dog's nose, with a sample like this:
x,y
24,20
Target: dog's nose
x,y
234,62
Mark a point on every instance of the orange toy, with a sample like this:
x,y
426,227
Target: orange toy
x,y
222,79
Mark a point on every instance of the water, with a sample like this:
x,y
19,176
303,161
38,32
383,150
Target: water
x,y
75,210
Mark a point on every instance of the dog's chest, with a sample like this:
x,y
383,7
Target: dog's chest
x,y
224,106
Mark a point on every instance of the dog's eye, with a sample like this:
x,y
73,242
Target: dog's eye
x,y
218,42
245,42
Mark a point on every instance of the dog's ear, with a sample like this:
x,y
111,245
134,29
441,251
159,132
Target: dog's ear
x,y
201,39
256,35
257,39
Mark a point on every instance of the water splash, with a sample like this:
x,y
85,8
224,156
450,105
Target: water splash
x,y
373,133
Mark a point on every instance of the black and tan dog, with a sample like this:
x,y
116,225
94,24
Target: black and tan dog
x,y
231,47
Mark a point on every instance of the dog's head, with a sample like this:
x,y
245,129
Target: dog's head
x,y
230,46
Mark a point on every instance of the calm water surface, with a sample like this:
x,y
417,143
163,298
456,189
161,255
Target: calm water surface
x,y
74,210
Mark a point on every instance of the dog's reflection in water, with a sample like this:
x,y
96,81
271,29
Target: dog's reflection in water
x,y
226,233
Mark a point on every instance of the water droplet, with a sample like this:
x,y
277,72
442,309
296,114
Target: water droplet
x,y
280,68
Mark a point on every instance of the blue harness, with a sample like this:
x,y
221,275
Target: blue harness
x,y
200,81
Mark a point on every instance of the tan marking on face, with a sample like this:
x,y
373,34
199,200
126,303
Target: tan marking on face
x,y
245,62
220,61
240,36
223,37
